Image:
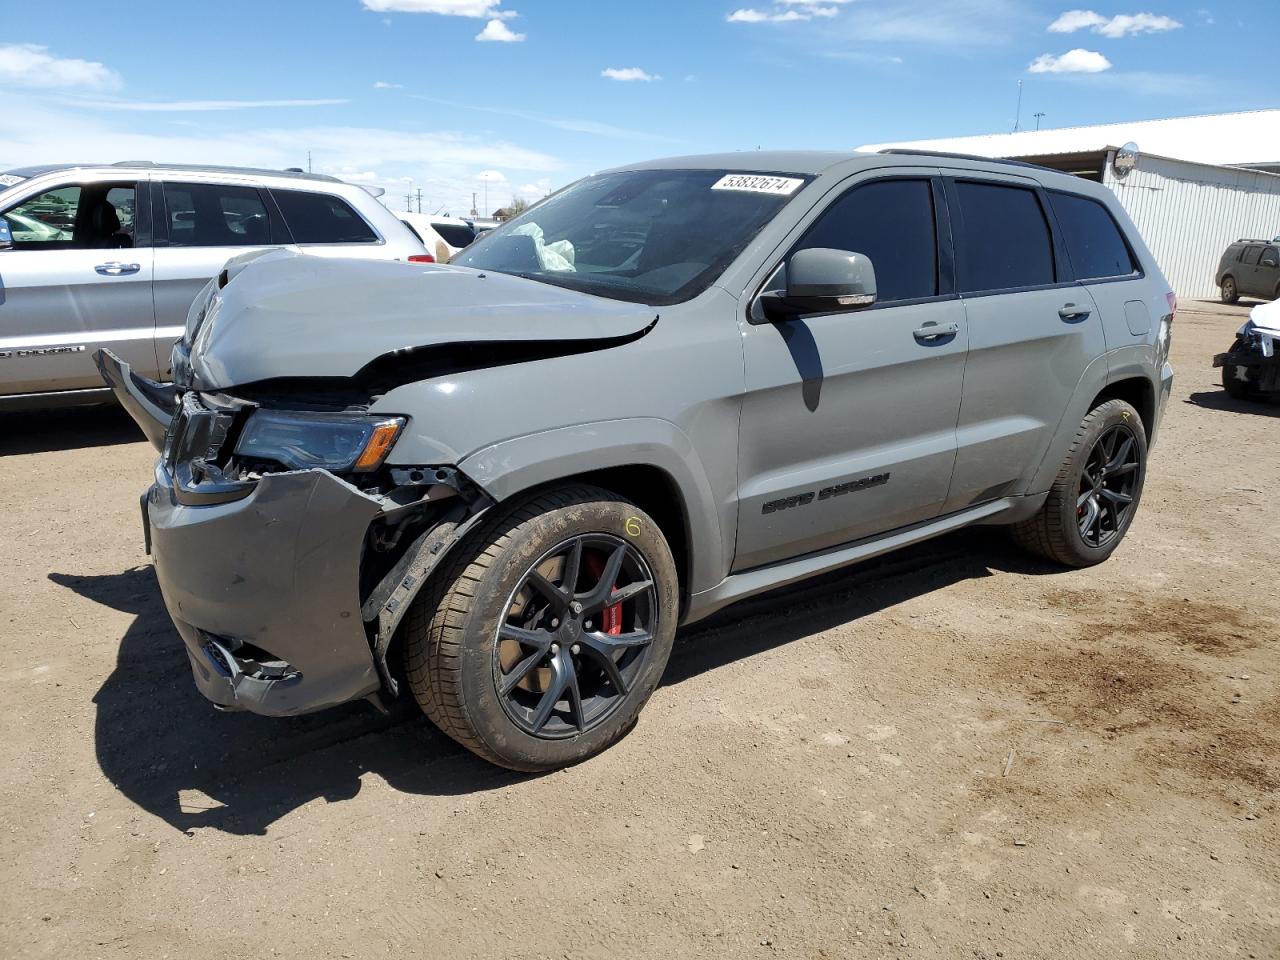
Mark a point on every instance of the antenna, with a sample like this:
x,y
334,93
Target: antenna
x,y
1039,116
1017,117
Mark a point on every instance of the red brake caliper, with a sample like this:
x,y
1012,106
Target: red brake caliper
x,y
610,617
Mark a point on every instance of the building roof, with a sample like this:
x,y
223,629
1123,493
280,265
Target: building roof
x,y
1227,139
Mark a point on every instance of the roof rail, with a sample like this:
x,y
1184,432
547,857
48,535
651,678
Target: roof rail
x,y
947,155
1253,240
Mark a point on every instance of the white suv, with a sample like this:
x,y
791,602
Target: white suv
x,y
112,256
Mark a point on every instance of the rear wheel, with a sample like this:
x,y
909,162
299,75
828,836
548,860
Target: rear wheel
x,y
1229,292
549,631
1096,492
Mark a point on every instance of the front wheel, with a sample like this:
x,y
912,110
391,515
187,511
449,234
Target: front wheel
x,y
548,632
1096,492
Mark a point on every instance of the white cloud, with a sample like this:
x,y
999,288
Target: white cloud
x,y
491,176
383,85
1121,25
29,65
495,31
629,74
480,9
194,106
788,11
591,127
1073,61
956,25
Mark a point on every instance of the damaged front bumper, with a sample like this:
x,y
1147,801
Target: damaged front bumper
x,y
263,576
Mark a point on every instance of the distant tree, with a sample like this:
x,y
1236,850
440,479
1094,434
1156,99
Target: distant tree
x,y
516,207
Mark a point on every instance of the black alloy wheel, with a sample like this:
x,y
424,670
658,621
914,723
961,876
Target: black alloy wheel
x,y
575,635
1108,485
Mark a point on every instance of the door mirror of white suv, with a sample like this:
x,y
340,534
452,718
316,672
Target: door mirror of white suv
x,y
822,280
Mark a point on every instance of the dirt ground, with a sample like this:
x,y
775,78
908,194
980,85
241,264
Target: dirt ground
x,y
954,752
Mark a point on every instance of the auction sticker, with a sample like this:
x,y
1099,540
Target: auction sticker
x,y
759,183
8,179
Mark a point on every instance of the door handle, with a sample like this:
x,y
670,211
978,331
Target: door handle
x,y
117,269
932,332
1070,312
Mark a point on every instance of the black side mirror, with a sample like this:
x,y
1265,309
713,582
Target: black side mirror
x,y
822,280
6,237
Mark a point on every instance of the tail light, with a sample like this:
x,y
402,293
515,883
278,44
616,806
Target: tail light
x,y
1172,298
428,258
1166,327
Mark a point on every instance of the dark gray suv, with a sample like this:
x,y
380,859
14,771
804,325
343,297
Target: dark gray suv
x,y
503,483
1249,268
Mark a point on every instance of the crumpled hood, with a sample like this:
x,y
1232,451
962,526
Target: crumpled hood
x,y
294,315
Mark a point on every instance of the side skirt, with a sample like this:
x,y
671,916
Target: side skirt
x,y
739,586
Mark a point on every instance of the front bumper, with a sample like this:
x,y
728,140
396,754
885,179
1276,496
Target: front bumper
x,y
264,590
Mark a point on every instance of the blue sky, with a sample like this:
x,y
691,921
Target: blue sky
x,y
525,95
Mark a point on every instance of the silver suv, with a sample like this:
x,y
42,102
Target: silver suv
x,y
665,388
112,256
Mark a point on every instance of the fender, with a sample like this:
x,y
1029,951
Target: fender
x,y
512,466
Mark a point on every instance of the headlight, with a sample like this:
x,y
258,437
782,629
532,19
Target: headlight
x,y
332,441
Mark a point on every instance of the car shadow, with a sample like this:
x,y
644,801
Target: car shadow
x,y
68,428
166,749
1221,400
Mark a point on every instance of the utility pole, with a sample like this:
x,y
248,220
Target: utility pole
x,y
308,161
419,199
408,203
1017,117
1038,117
486,198
474,211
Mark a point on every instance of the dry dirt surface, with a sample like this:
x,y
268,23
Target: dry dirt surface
x,y
954,752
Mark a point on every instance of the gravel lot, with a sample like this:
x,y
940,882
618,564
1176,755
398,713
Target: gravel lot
x,y
954,752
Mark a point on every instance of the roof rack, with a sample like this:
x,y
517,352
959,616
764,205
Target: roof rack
x,y
1253,240
946,155
292,173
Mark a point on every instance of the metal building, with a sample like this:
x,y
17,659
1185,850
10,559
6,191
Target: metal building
x,y
1192,186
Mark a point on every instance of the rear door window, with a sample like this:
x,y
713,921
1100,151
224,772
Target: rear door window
x,y
320,218
1002,238
216,215
892,223
1094,242
454,234
1270,257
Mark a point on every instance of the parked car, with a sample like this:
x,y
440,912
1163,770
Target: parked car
x,y
1251,368
666,388
113,255
442,236
1250,268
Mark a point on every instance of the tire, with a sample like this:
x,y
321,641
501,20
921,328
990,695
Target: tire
x,y
1055,531
456,660
1236,388
1229,292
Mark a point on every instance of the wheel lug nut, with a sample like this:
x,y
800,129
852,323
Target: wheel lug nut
x,y
587,625
555,623
575,649
555,648
577,607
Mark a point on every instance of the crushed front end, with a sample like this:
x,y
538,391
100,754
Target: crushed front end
x,y
1252,366
286,552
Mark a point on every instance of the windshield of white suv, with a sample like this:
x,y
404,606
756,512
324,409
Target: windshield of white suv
x,y
648,236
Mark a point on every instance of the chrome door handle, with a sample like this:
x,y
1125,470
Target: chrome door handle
x,y
935,331
1071,312
117,269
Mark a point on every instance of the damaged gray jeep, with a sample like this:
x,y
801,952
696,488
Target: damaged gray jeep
x,y
500,484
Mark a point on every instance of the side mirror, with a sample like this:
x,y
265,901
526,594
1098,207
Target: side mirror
x,y
6,237
822,280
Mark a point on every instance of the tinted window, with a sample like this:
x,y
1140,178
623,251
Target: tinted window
x,y
318,218
215,215
94,217
1094,243
1269,258
647,236
1250,256
454,234
1002,238
892,223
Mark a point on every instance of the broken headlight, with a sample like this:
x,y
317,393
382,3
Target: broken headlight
x,y
330,441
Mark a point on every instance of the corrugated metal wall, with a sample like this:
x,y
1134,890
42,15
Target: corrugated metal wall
x,y
1189,213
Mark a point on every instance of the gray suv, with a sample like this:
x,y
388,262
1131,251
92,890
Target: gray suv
x,y
503,483
112,255
1250,268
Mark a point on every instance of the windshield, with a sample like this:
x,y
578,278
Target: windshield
x,y
648,236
